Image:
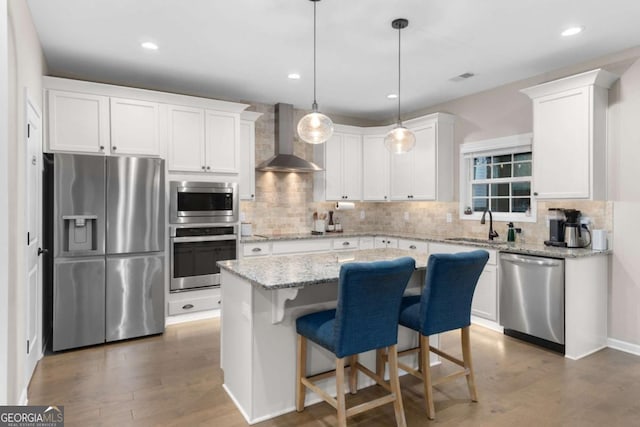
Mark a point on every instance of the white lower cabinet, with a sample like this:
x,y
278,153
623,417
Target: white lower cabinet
x,y
485,298
345,244
191,305
301,246
385,242
255,249
366,243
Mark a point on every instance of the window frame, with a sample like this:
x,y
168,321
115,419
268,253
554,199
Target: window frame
x,y
493,147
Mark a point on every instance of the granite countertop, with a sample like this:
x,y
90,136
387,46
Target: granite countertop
x,y
498,245
293,271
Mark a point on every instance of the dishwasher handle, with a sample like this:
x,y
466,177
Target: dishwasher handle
x,y
519,259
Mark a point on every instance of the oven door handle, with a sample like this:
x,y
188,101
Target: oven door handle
x,y
202,238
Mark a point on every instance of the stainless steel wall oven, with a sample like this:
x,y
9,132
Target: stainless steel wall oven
x,y
203,202
195,251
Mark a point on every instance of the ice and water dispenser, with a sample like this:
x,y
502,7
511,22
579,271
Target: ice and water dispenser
x,y
80,232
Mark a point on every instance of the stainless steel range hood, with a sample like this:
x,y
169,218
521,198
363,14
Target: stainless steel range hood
x,y
283,159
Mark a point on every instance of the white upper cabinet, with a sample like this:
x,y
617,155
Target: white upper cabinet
x,y
134,127
77,122
343,167
426,172
222,142
569,136
203,140
247,181
375,168
186,139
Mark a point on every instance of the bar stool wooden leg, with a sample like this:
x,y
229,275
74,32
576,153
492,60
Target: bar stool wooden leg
x,y
468,364
425,367
380,355
394,381
301,371
340,399
353,374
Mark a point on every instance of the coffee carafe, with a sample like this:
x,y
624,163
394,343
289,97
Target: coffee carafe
x,y
576,235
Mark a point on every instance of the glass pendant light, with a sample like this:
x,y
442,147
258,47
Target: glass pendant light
x,y
400,139
315,127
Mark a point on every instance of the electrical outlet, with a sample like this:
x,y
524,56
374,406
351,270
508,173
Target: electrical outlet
x,y
449,217
362,215
406,216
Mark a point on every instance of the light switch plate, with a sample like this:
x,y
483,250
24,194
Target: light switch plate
x,y
362,215
406,216
449,217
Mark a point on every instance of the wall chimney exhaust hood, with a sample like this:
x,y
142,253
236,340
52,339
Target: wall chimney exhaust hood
x,y
283,159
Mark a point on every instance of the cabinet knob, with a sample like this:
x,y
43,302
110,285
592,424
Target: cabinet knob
x,y
102,148
345,243
114,148
535,193
204,167
208,167
385,197
187,306
253,195
256,250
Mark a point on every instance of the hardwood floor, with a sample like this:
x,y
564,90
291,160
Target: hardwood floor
x,y
175,380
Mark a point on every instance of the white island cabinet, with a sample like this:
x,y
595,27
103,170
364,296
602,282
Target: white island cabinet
x,y
261,299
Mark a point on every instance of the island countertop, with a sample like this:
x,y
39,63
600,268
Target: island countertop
x,y
294,271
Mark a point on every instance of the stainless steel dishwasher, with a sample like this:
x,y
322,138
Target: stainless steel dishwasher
x,y
532,299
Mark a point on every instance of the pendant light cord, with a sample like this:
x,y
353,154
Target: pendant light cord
x,y
315,104
399,78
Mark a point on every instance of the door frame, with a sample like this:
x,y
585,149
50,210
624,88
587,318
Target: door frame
x,y
33,115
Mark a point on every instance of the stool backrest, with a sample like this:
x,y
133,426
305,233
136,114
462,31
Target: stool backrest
x,y
446,298
369,297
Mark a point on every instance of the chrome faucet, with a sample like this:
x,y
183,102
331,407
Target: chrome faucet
x,y
492,233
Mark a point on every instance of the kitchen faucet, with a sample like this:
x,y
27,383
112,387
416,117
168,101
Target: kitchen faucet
x,y
492,233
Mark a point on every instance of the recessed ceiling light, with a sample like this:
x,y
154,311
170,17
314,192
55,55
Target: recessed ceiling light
x,y
572,31
149,45
294,76
392,96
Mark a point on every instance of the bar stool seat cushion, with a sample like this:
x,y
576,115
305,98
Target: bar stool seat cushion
x,y
319,328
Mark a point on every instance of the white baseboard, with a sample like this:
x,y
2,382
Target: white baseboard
x,y
24,398
627,347
190,317
489,324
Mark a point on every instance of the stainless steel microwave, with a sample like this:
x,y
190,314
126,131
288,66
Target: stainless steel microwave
x,y
203,202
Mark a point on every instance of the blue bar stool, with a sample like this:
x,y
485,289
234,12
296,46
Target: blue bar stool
x,y
366,318
445,305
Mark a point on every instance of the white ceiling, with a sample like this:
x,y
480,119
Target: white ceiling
x,y
244,49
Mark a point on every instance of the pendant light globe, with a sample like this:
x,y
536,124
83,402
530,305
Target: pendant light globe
x,y
400,139
315,127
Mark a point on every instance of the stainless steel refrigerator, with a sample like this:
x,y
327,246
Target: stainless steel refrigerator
x,y
108,248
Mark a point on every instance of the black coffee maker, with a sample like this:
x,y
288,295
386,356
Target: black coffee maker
x,y
557,220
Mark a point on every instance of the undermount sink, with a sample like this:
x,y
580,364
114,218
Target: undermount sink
x,y
471,240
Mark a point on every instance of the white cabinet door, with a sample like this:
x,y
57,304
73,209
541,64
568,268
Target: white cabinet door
x,y
222,132
186,139
333,167
78,122
247,181
375,168
402,175
134,127
343,167
352,167
425,165
385,242
485,298
413,245
561,145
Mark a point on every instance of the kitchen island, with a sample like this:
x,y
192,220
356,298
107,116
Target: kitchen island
x,y
261,298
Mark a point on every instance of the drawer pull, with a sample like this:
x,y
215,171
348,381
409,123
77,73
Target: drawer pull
x,y
413,247
187,306
345,243
256,250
